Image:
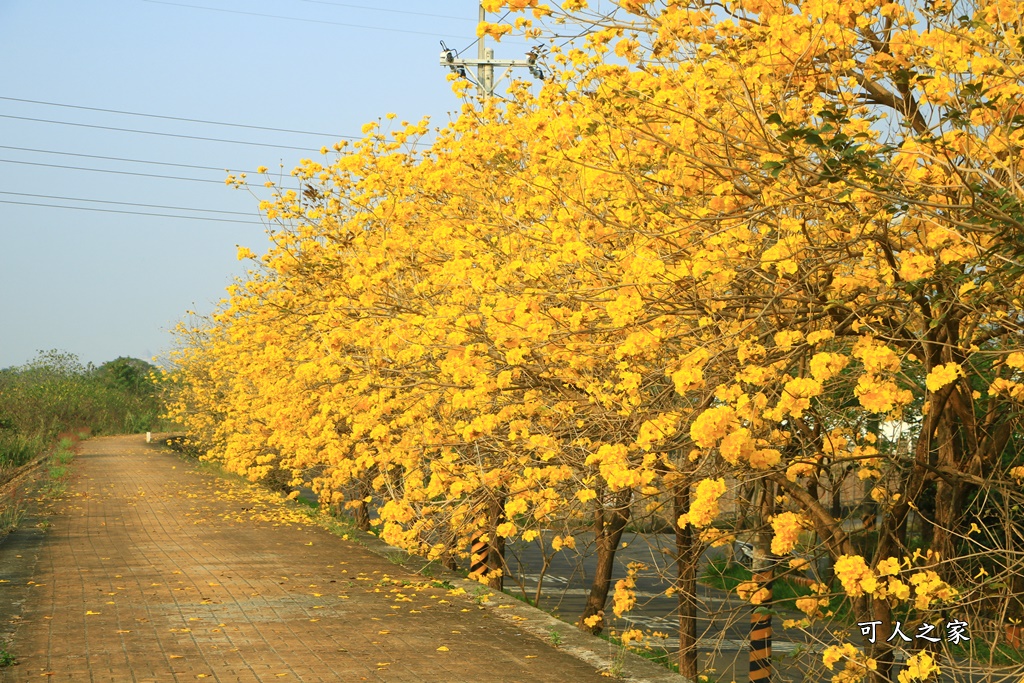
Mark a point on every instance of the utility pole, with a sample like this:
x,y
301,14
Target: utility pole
x,y
485,63
484,70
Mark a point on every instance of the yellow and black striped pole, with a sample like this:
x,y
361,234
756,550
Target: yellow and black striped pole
x,y
761,626
478,553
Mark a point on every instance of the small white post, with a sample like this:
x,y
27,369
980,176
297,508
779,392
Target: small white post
x,y
149,437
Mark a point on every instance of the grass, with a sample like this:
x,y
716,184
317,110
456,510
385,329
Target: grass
x,y
655,655
481,594
518,595
59,468
978,650
6,658
55,483
17,449
11,516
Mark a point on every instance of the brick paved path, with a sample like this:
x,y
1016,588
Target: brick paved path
x,y
153,570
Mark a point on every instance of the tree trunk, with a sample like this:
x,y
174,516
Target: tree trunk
x,y
762,570
949,495
363,509
687,555
609,523
881,651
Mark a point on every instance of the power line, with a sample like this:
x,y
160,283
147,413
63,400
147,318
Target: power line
x,y
383,9
105,170
134,213
176,118
479,37
153,132
106,201
307,21
124,159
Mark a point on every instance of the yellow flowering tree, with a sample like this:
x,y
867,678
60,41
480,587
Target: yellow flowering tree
x,y
776,243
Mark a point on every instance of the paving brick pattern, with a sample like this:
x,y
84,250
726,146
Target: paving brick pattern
x,y
153,570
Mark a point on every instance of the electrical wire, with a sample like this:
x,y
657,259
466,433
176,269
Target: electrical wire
x,y
124,159
384,9
134,213
178,118
136,204
479,37
105,170
153,132
307,21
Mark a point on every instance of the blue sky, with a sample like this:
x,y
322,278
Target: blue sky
x,y
102,284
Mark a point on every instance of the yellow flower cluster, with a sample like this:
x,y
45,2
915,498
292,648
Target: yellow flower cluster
x,y
624,598
811,606
704,506
753,592
631,636
712,425
787,527
825,366
919,667
880,395
1001,385
855,664
799,469
884,582
942,375
855,575
929,587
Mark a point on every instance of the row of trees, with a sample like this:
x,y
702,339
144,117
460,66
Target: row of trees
x,y
768,242
55,392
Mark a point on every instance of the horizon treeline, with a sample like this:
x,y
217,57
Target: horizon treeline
x,y
56,392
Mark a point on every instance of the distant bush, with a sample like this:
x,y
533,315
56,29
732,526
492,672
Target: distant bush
x,y
56,393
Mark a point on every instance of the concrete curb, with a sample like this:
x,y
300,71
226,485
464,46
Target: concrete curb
x,y
20,549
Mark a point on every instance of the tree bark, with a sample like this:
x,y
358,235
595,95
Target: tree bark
x,y
687,554
762,571
362,509
609,523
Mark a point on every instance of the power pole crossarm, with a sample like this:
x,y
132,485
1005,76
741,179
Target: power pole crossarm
x,y
485,63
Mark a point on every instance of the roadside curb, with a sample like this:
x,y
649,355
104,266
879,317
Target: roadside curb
x,y
20,549
18,559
